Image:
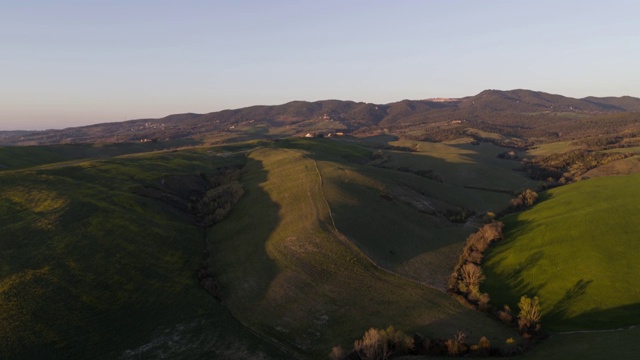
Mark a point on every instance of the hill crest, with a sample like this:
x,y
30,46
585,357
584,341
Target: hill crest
x,y
299,117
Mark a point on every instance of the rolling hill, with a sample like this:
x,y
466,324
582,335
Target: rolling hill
x,y
95,264
520,113
229,235
576,250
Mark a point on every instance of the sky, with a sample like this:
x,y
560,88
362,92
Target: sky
x,y
69,63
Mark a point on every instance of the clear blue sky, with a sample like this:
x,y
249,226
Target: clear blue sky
x,y
67,63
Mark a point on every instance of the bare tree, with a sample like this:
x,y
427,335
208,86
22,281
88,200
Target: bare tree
x,y
471,275
530,314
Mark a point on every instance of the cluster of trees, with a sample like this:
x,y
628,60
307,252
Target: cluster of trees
x,y
609,141
528,319
567,166
467,275
216,203
379,344
213,206
458,215
524,200
207,279
383,344
508,155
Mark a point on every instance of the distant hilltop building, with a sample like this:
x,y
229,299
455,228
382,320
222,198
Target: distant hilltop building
x,y
320,134
442,99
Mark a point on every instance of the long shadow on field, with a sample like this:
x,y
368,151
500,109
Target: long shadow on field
x,y
506,288
560,310
515,280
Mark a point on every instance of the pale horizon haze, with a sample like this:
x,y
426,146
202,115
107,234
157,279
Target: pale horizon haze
x,y
71,63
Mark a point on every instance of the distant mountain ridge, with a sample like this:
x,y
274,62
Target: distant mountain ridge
x,y
516,108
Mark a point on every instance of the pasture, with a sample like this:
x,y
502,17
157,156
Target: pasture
x,y
290,274
578,251
465,165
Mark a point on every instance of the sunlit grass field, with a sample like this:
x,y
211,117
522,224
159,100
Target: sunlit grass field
x,y
578,251
552,148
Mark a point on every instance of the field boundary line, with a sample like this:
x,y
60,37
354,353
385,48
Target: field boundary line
x,y
596,331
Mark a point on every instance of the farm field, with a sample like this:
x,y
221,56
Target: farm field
x,y
577,250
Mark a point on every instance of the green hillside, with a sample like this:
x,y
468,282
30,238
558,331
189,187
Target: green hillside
x,y
90,269
462,164
577,250
12,157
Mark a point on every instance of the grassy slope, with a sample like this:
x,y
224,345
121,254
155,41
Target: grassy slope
x,y
577,251
88,269
462,164
290,275
628,166
406,239
393,233
19,157
415,242
552,148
